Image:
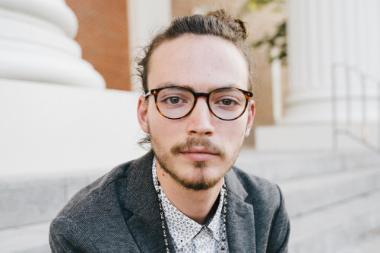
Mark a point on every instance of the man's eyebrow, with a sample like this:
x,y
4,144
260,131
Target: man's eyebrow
x,y
171,84
229,85
187,86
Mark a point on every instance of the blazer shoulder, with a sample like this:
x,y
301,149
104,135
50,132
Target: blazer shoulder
x,y
96,194
260,190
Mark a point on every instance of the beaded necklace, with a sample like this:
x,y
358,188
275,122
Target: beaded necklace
x,y
165,231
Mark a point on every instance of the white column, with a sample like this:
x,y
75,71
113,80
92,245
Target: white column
x,y
146,19
322,33
36,44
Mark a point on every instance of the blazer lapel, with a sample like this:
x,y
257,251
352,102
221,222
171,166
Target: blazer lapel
x,y
240,217
140,204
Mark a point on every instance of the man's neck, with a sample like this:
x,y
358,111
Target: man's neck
x,y
194,204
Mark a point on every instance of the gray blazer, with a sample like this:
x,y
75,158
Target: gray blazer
x,y
119,212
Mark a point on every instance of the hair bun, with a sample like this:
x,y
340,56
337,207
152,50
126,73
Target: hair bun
x,y
237,25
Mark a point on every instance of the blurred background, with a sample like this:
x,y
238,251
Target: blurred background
x,y
68,93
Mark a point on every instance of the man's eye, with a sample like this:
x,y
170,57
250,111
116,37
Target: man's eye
x,y
173,100
227,102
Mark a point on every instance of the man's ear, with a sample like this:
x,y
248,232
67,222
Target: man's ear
x,y
142,113
251,117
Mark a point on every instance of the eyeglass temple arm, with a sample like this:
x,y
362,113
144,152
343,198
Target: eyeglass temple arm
x,y
147,93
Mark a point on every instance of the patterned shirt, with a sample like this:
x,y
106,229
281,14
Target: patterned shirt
x,y
187,235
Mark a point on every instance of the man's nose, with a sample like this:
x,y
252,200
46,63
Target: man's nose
x,y
200,119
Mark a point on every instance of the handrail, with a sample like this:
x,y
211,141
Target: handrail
x,y
337,130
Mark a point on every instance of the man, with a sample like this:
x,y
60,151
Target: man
x,y
184,195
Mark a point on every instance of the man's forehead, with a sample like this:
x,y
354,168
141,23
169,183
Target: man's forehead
x,y
184,47
198,59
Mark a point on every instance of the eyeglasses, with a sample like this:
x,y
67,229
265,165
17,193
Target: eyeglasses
x,y
176,102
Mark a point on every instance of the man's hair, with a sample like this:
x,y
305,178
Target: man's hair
x,y
217,23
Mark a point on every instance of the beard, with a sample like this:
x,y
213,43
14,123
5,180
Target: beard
x,y
202,182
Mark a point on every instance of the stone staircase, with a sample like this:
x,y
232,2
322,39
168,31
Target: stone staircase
x,y
27,206
333,200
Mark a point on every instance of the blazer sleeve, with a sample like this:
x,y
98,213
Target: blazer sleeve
x,y
65,237
280,229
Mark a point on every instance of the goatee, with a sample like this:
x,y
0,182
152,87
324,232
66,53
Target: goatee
x,y
202,183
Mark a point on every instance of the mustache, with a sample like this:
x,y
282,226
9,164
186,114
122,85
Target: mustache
x,y
197,142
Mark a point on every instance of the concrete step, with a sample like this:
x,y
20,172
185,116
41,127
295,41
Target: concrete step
x,y
330,229
25,239
370,243
42,195
313,193
282,166
313,136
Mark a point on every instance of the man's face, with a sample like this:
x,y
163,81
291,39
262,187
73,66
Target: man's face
x,y
199,149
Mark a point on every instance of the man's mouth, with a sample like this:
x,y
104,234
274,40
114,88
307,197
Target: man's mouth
x,y
199,153
197,149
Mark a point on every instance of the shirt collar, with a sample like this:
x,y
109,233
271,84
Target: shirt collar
x,y
188,227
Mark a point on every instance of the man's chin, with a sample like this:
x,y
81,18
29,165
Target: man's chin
x,y
199,184
201,178
198,179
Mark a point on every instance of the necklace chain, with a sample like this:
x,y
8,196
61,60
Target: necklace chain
x,y
164,227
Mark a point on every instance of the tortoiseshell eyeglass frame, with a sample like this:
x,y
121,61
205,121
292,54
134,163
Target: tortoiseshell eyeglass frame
x,y
248,95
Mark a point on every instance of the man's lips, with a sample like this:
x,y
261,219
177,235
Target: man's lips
x,y
199,154
199,149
